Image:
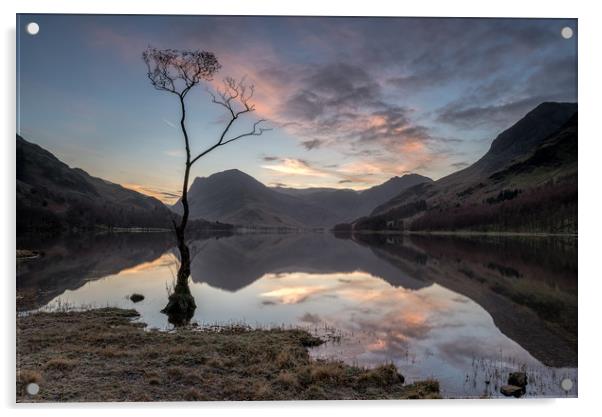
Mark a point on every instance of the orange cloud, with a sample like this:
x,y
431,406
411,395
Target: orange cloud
x,y
295,167
166,196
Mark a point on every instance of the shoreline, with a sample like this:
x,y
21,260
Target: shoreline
x,y
456,233
102,355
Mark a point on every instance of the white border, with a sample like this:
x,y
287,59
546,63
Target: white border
x,y
590,152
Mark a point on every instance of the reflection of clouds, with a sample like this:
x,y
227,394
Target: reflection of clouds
x,y
431,330
384,319
165,260
293,295
298,287
378,344
391,333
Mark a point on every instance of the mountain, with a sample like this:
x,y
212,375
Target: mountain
x,y
516,142
527,181
350,204
51,196
235,197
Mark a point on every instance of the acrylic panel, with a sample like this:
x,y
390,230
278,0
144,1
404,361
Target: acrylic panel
x,y
219,208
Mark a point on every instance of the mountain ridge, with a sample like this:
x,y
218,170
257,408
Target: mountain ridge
x,y
236,197
519,138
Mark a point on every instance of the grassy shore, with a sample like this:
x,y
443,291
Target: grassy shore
x,y
101,355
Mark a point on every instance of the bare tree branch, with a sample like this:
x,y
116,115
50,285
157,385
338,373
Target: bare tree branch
x,y
255,132
235,97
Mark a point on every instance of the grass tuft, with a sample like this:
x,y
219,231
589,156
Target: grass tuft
x,y
60,364
287,379
194,395
383,375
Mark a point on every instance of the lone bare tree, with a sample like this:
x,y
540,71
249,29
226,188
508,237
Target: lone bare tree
x,y
178,72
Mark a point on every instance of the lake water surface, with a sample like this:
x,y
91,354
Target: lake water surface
x,y
465,311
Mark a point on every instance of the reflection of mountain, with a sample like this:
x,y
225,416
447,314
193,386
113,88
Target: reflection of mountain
x,y
528,286
235,262
68,263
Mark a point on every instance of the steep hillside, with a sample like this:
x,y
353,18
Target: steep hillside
x,y
527,181
51,196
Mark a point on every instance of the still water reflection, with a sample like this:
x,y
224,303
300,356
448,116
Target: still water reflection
x,y
462,310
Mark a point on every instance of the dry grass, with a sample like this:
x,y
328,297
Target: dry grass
x,y
383,375
60,364
286,378
100,355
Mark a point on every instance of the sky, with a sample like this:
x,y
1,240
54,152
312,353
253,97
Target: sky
x,y
351,102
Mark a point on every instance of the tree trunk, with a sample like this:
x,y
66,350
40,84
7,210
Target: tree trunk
x,y
181,306
184,270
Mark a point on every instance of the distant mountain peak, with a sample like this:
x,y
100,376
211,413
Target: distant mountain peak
x,y
408,176
226,174
236,197
231,172
233,179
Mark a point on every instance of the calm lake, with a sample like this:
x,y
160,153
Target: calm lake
x,y
465,311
